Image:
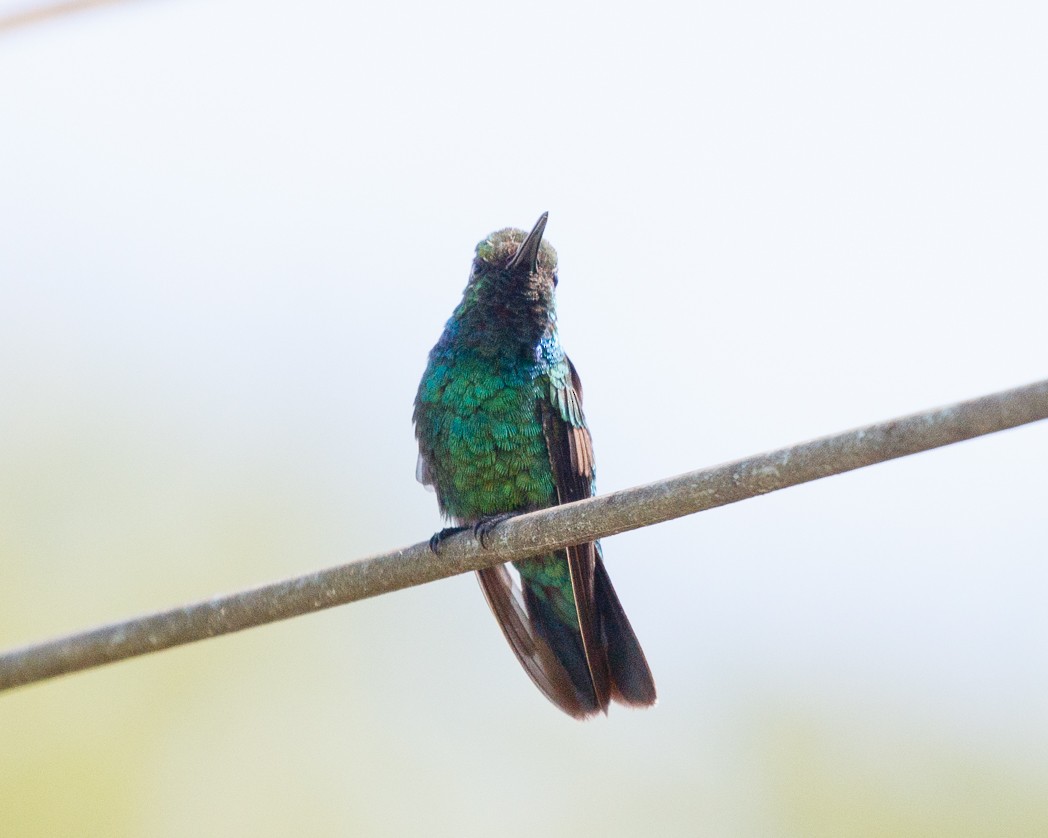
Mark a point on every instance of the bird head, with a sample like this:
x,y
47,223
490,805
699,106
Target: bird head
x,y
510,289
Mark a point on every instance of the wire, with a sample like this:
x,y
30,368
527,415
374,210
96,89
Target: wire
x,y
527,535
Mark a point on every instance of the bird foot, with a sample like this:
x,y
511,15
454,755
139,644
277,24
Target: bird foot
x,y
482,529
438,537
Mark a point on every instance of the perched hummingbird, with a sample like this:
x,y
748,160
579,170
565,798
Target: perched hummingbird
x,y
498,417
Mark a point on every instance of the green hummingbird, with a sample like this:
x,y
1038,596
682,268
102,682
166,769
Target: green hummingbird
x,y
500,430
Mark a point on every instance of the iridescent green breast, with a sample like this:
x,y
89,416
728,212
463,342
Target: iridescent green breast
x,y
481,437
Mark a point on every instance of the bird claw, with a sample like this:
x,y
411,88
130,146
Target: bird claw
x,y
482,529
438,537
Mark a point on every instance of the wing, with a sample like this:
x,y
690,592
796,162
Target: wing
x,y
571,458
617,663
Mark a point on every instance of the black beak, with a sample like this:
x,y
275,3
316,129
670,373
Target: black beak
x,y
528,254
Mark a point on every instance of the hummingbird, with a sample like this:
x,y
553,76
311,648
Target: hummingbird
x,y
500,429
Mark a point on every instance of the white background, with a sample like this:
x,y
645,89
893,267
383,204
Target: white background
x,y
229,234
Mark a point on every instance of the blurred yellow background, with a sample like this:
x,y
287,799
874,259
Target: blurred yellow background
x,y
230,234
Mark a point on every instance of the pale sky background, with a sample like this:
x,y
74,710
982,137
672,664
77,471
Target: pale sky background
x,y
230,233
